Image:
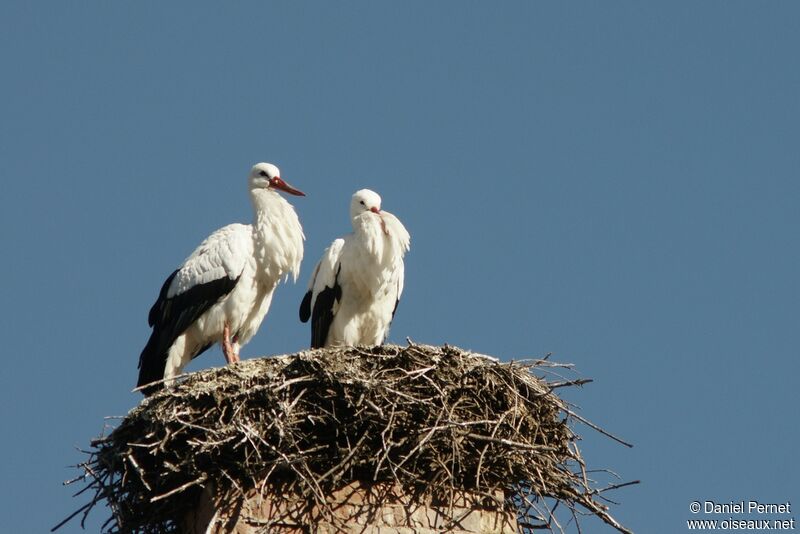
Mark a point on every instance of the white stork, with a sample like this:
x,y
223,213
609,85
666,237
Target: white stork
x,y
223,290
354,291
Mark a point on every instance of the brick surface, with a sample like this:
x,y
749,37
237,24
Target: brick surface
x,y
378,509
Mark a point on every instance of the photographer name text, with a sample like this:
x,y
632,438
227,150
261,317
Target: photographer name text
x,y
743,507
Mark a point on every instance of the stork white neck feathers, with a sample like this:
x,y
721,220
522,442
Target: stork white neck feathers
x,y
277,234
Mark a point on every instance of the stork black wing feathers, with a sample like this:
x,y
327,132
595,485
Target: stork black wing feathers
x,y
152,317
305,306
170,317
322,315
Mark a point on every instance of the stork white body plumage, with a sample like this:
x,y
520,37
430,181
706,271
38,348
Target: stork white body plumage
x,y
357,284
223,290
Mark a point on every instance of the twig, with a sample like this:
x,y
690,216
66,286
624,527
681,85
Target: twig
x,y
202,478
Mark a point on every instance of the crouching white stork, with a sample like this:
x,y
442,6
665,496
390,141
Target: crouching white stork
x,y
356,286
223,290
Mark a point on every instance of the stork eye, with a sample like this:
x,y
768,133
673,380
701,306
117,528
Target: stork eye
x,y
263,173
362,203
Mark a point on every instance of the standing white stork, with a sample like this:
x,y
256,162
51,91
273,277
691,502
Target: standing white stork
x,y
223,290
354,291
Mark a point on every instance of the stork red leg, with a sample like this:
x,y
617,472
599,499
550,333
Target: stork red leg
x,y
231,355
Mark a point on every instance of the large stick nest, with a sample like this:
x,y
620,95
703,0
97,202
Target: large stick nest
x,y
435,420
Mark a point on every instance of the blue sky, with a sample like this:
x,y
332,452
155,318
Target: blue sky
x,y
614,183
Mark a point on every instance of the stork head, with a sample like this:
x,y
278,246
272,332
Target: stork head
x,y
364,200
268,176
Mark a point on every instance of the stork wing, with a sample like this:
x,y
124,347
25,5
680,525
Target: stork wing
x,y
223,254
206,276
324,293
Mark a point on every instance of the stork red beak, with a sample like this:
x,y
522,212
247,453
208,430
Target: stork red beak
x,y
375,210
277,183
